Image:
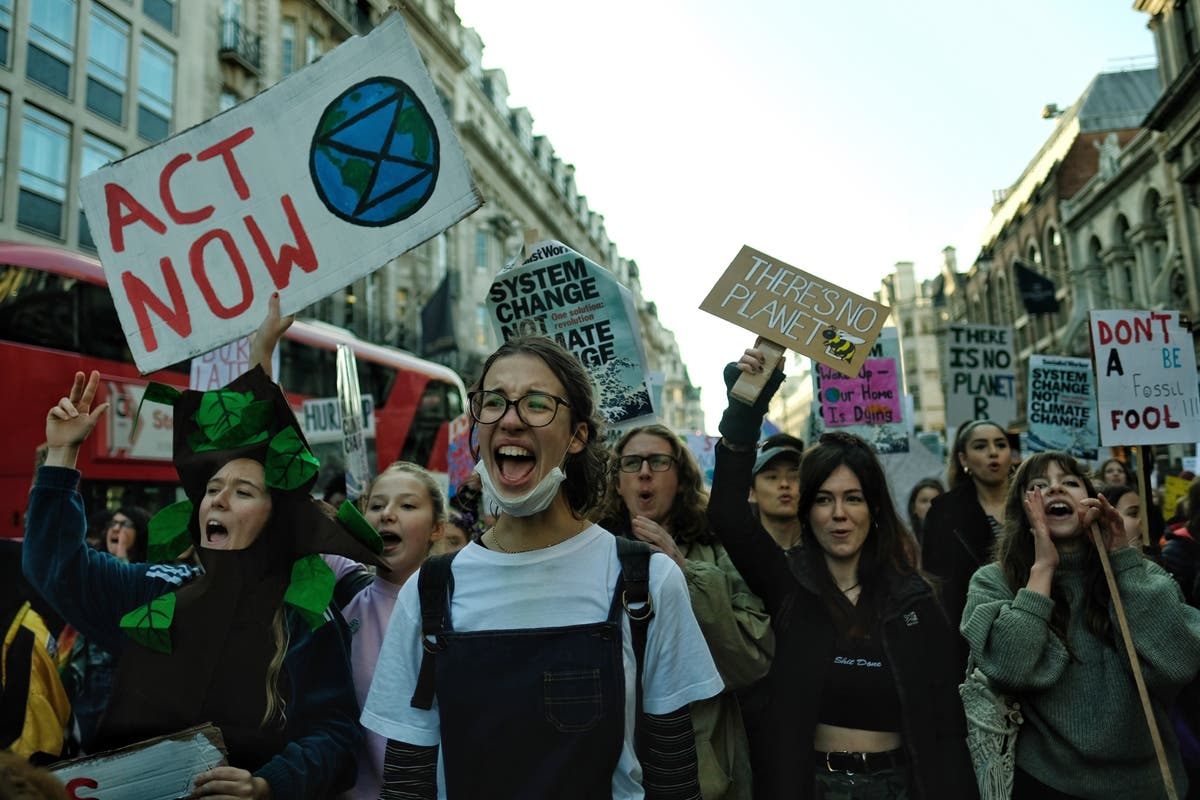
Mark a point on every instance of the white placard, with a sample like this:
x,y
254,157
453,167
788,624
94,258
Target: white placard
x,y
980,375
321,419
306,187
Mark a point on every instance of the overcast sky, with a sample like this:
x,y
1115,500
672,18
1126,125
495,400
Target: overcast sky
x,y
838,138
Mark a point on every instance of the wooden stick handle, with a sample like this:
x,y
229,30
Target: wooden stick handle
x,y
748,387
1119,607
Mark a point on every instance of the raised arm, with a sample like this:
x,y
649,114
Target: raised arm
x,y
266,338
71,420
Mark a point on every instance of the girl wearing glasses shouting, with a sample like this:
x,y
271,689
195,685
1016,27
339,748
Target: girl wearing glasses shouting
x,y
523,680
656,493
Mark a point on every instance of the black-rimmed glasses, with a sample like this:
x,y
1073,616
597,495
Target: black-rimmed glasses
x,y
536,409
659,462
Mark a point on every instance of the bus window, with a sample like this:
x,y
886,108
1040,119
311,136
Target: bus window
x,y
375,379
37,308
309,371
433,411
98,316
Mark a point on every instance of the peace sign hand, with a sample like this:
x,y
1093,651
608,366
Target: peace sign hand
x,y
69,422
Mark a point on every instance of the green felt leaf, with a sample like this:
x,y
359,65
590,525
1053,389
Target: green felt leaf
x,y
161,393
250,427
168,532
349,515
289,462
150,625
220,410
311,589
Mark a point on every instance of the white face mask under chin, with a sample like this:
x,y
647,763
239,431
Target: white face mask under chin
x,y
536,500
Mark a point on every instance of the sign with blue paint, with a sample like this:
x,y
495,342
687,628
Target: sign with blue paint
x,y
303,189
559,293
1061,406
1145,377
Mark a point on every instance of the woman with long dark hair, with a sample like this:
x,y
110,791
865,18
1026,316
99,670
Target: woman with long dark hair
x,y
863,689
962,525
1041,626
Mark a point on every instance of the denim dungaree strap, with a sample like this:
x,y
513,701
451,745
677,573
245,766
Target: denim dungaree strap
x,y
536,712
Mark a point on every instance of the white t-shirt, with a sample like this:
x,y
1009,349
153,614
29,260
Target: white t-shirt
x,y
570,583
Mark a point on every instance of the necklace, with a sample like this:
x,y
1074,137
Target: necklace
x,y
849,589
496,541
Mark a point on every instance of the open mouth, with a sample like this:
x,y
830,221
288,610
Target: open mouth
x,y
1058,510
514,463
215,533
390,540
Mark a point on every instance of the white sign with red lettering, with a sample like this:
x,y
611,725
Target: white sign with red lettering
x,y
152,440
303,189
159,769
1145,378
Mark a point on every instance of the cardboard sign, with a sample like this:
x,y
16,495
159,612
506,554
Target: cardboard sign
x,y
870,404
303,189
1061,406
1145,378
321,419
218,367
157,769
559,293
460,462
797,310
981,375
354,444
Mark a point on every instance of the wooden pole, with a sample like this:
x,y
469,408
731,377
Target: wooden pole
x,y
749,387
1119,607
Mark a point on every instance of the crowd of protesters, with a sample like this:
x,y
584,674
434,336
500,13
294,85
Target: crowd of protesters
x,y
587,620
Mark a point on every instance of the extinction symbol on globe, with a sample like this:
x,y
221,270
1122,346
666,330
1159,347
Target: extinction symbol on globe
x,y
374,155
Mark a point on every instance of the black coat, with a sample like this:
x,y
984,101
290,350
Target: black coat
x,y
958,540
916,636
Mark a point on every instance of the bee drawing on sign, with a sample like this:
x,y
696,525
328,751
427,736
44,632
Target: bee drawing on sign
x,y
840,344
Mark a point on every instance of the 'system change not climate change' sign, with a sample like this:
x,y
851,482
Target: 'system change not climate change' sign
x,y
797,310
310,185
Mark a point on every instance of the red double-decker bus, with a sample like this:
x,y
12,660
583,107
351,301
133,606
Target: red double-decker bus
x,y
57,317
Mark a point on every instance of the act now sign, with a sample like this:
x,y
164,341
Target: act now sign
x,y
310,185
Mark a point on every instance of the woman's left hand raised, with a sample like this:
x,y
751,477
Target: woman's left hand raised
x,y
658,538
1097,510
230,782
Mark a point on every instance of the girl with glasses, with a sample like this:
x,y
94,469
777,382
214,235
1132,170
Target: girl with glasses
x,y
863,689
656,494
526,682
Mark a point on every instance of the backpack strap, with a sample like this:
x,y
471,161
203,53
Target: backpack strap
x,y
18,662
639,607
435,586
349,585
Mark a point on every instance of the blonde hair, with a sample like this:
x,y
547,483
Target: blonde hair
x,y
276,705
436,498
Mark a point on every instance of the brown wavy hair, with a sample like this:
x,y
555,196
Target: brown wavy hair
x,y
688,518
1015,549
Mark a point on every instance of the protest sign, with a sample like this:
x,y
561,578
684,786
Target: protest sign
x,y
1145,377
1175,489
556,292
354,444
704,448
308,186
1061,406
158,769
870,404
796,310
980,375
321,419
153,437
217,368
460,462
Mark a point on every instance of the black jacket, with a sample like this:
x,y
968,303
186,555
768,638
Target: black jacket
x,y
918,641
958,540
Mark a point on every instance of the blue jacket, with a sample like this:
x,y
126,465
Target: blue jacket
x,y
93,590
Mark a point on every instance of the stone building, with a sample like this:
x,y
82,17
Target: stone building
x,y
85,82
916,317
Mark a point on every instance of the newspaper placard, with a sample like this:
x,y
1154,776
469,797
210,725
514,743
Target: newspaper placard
x,y
559,293
1061,406
321,419
1145,378
796,310
870,404
308,186
980,374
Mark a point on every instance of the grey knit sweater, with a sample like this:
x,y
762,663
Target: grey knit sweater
x,y
1085,731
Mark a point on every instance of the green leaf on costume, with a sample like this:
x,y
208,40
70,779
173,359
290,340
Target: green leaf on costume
x,y
289,461
150,625
169,532
228,419
353,521
311,589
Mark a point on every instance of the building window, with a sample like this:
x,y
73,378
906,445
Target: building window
x,y
481,250
52,44
45,164
312,47
6,15
108,64
289,47
161,11
156,91
1186,11
95,154
3,139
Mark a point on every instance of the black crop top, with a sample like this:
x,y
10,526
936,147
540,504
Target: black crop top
x,y
860,691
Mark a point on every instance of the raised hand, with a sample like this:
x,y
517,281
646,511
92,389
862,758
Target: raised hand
x,y
658,538
264,341
1098,511
1045,553
69,421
